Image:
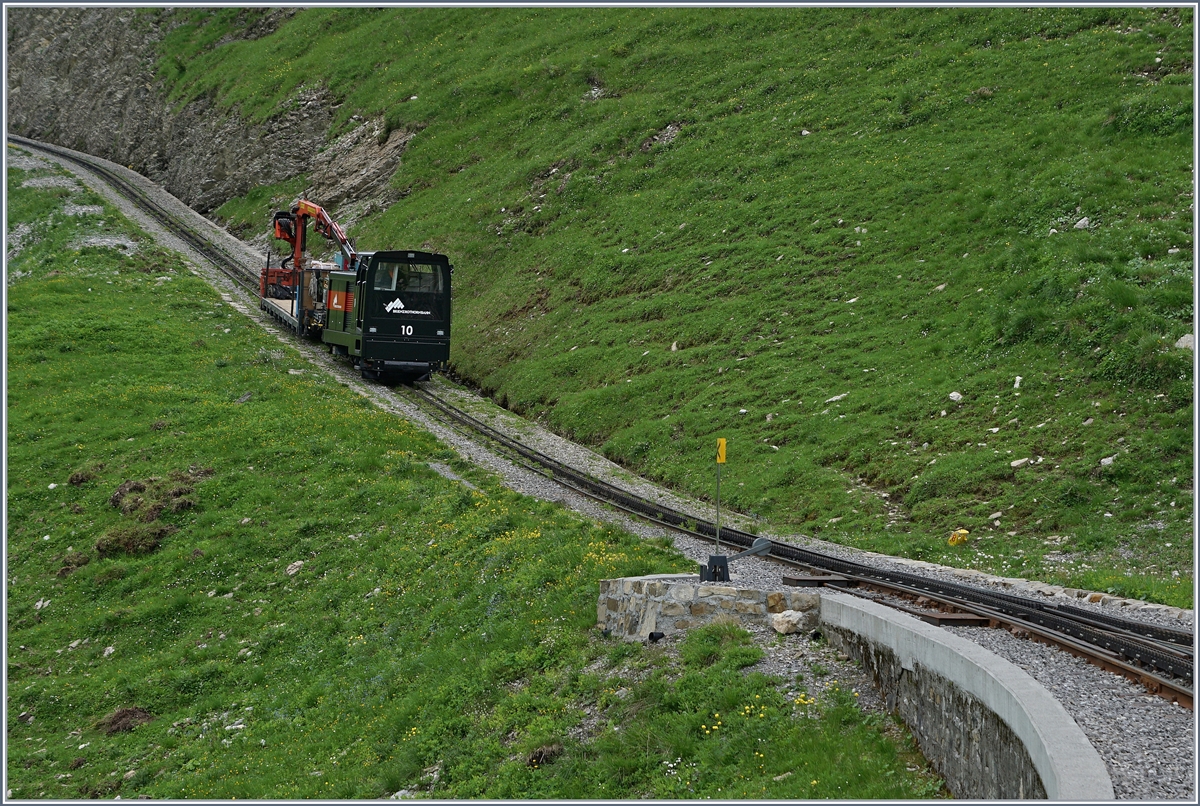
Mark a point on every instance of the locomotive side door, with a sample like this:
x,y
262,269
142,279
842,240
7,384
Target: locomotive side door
x,y
360,302
339,327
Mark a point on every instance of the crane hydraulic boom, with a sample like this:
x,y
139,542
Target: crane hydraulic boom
x,y
293,227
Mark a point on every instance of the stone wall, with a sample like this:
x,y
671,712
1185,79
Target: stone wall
x,y
637,606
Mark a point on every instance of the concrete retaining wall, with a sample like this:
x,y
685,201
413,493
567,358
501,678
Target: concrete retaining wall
x,y
989,728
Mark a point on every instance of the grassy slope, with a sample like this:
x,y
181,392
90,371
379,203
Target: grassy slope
x,y
899,252
430,625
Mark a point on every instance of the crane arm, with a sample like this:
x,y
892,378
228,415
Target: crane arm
x,y
326,226
291,227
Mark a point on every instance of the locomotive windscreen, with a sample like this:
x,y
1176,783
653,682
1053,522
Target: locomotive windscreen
x,y
416,289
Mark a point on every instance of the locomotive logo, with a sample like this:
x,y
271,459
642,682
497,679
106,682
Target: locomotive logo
x,y
396,306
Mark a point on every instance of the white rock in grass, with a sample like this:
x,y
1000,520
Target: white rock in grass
x,y
941,287
674,346
1083,223
1186,342
995,516
836,398
295,567
41,603
956,397
1088,421
1108,460
108,650
1020,462
1017,382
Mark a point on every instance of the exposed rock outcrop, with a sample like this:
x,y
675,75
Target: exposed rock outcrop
x,y
85,78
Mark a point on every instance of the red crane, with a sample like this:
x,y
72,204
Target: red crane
x,y
285,281
292,227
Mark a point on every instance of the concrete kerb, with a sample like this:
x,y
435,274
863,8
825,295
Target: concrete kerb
x,y
1068,765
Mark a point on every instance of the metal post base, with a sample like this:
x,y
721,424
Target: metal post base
x,y
717,569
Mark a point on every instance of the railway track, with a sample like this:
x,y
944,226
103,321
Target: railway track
x,y
1159,658
228,264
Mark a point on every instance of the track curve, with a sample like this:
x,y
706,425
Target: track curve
x,y
1160,658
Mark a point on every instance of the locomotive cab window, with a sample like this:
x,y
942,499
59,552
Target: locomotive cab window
x,y
408,290
408,277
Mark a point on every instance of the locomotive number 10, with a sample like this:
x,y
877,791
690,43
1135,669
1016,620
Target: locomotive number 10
x,y
406,330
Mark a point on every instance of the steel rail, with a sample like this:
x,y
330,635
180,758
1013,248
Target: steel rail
x,y
1169,688
1165,687
1110,661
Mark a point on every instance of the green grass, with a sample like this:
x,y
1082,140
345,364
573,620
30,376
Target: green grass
x,y
637,294
166,467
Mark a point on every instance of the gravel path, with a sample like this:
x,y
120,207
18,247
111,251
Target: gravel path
x,y
1147,743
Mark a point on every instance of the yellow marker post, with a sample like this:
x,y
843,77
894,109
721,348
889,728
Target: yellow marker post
x,y
720,461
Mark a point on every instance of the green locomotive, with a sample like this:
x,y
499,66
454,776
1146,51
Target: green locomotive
x,y
389,311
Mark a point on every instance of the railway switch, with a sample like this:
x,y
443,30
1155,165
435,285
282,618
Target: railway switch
x,y
717,569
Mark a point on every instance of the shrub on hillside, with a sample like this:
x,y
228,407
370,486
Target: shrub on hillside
x,y
1150,114
133,540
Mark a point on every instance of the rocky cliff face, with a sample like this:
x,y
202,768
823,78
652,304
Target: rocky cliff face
x,y
84,78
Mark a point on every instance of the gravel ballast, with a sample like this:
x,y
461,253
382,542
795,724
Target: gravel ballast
x,y
1147,743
